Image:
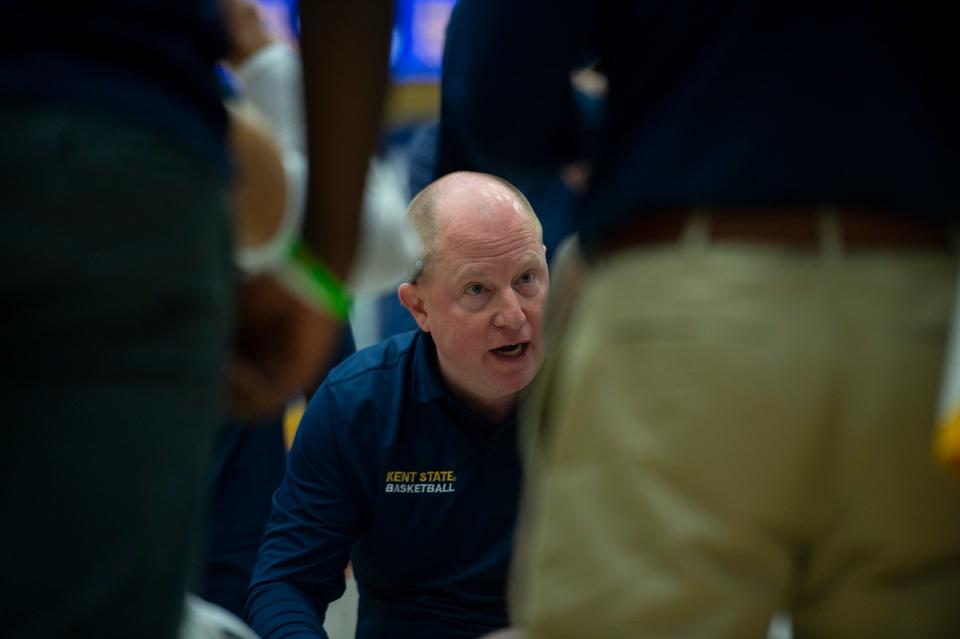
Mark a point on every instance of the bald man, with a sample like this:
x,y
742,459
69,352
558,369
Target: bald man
x,y
405,462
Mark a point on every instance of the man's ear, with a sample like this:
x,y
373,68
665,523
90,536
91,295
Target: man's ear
x,y
410,296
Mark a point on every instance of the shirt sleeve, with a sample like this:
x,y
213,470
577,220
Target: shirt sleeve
x,y
507,102
317,515
272,79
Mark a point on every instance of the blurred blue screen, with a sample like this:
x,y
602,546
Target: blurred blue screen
x,y
418,33
419,27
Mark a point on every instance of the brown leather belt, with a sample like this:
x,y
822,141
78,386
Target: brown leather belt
x,y
797,228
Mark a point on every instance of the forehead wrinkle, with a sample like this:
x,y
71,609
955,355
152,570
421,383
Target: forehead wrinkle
x,y
480,270
483,263
489,248
477,224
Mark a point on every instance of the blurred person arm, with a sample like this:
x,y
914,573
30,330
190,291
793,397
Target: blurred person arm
x,y
282,348
508,103
260,193
261,199
270,73
270,76
283,342
345,48
315,520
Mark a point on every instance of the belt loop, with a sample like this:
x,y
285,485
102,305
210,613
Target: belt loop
x,y
830,232
696,233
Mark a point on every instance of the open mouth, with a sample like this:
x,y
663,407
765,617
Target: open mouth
x,y
511,350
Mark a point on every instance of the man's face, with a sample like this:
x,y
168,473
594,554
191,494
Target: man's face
x,y
483,301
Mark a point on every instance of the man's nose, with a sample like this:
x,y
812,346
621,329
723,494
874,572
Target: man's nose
x,y
509,313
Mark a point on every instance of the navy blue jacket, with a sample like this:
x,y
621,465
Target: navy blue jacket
x,y
389,471
741,105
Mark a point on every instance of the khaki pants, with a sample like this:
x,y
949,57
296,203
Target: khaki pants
x,y
723,431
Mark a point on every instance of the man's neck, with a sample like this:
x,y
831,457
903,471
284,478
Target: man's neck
x,y
493,414
492,410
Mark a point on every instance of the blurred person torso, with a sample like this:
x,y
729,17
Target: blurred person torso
x,y
149,61
736,105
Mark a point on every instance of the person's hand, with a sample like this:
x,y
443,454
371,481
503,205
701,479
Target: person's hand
x,y
245,28
282,348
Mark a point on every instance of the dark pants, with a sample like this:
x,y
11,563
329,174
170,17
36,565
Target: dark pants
x,y
116,295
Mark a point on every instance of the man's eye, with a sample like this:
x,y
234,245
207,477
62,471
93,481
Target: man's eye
x,y
474,289
527,278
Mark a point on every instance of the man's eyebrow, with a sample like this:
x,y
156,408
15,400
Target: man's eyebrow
x,y
532,260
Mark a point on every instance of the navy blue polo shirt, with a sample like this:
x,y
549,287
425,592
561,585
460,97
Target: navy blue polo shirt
x,y
391,472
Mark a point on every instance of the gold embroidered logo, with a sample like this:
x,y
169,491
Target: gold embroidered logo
x,y
423,481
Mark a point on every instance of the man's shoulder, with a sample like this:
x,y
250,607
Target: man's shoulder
x,y
364,397
375,365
